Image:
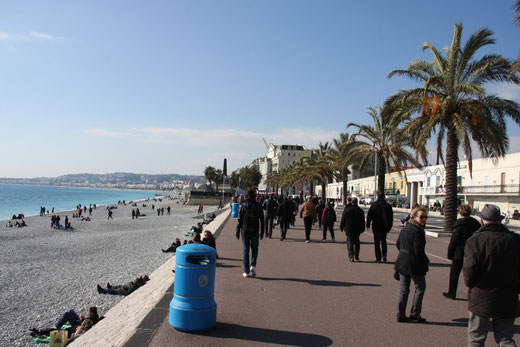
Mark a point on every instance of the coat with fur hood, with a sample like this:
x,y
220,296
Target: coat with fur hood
x,y
492,272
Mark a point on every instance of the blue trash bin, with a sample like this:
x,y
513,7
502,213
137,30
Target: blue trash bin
x,y
193,306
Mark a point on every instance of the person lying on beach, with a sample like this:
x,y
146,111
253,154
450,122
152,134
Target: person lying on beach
x,y
75,321
20,224
173,247
124,289
87,219
9,225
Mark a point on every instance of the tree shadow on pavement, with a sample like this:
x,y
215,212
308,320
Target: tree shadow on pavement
x,y
325,283
261,335
457,322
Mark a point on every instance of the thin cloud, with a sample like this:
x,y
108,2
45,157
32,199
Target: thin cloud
x,y
41,36
107,133
34,35
309,137
505,90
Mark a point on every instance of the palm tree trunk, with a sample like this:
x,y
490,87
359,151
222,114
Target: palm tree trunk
x,y
381,171
345,191
323,192
450,202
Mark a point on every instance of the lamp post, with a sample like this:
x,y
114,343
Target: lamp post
x,y
375,174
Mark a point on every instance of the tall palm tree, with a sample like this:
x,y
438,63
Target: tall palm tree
x,y
516,64
209,174
384,141
318,167
452,104
341,157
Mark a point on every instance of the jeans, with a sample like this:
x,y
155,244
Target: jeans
x,y
269,220
380,239
284,225
250,241
478,328
353,246
307,221
331,230
456,268
69,316
404,290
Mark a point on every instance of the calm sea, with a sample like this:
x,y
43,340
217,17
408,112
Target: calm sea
x,y
15,199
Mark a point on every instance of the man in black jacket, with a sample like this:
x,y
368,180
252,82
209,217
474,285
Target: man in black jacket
x,y
251,226
353,222
381,217
270,206
463,228
492,273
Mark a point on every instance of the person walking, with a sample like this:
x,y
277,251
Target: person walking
x,y
285,214
250,226
492,273
462,230
270,207
353,223
319,211
133,213
110,214
412,264
381,217
308,213
328,218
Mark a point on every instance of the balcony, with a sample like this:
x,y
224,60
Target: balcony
x,y
510,189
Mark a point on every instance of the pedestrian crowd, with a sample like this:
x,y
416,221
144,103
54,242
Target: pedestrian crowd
x,y
486,252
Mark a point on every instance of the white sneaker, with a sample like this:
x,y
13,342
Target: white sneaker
x,y
307,241
252,271
245,275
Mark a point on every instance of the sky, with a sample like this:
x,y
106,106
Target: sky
x,y
174,86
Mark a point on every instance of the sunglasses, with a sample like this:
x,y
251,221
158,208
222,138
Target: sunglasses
x,y
423,217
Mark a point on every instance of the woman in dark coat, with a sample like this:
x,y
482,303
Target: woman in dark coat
x,y
412,264
285,215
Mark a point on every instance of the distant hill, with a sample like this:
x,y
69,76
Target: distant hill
x,y
112,180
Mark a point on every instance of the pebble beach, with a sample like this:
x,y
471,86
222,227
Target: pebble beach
x,y
47,271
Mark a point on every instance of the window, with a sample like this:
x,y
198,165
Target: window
x,y
428,179
402,184
438,181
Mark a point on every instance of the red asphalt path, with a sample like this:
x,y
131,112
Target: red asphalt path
x,y
309,294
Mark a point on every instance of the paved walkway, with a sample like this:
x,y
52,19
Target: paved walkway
x,y
309,294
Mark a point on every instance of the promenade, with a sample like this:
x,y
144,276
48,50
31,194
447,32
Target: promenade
x,y
309,294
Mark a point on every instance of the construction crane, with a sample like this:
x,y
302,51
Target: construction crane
x,y
266,145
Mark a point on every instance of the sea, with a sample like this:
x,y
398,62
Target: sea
x,y
27,199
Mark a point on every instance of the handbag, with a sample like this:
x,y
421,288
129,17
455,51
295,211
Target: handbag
x,y
59,338
396,275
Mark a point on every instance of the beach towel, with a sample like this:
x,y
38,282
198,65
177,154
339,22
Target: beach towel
x,y
47,339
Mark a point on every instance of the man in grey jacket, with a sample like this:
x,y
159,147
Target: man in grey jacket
x,y
492,273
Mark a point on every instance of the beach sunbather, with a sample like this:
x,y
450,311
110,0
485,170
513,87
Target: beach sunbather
x,y
75,321
173,247
124,289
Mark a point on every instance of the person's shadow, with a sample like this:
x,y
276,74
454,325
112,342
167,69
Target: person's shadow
x,y
261,335
325,283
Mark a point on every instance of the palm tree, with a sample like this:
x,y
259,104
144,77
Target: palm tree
x,y
384,142
516,64
318,167
209,174
453,104
341,158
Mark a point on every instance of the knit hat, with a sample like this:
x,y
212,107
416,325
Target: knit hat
x,y
491,213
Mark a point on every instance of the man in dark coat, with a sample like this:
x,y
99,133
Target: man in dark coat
x,y
492,273
270,207
319,211
381,217
328,218
285,215
353,223
251,226
412,264
463,228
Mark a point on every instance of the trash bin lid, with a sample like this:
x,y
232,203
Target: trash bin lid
x,y
195,254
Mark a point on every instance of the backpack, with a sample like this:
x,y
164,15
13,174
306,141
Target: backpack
x,y
250,218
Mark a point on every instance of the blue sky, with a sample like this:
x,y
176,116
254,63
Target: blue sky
x,y
174,86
